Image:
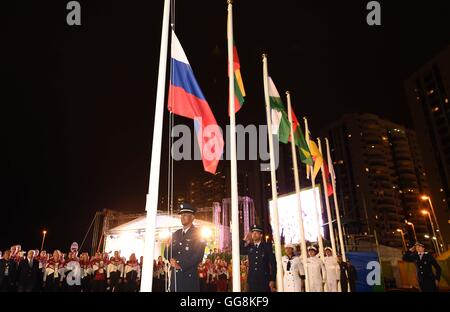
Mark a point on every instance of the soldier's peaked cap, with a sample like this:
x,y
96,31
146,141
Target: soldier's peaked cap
x,y
256,228
419,244
186,208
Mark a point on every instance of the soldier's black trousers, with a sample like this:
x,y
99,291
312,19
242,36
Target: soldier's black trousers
x,y
428,285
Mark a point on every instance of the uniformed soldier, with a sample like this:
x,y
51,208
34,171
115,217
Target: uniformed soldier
x,y
343,276
332,270
186,251
316,270
293,270
262,266
428,280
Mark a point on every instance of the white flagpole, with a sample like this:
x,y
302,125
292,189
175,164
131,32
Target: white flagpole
x,y
297,191
236,262
336,207
152,201
327,201
275,230
318,211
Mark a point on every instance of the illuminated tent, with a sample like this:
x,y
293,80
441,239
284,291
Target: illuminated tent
x,y
129,237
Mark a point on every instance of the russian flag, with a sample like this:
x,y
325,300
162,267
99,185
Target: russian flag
x,y
186,99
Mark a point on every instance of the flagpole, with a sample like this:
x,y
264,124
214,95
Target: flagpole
x,y
152,201
327,201
297,191
234,190
318,211
336,207
275,230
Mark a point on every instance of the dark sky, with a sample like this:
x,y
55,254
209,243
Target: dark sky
x,y
78,102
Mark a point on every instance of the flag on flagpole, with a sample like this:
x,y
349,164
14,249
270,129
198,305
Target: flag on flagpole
x,y
308,168
186,99
300,142
327,176
239,91
331,170
317,158
280,120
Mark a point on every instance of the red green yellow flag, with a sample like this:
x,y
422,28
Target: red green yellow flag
x,y
239,91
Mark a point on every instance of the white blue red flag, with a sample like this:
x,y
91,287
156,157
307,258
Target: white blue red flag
x,y
186,99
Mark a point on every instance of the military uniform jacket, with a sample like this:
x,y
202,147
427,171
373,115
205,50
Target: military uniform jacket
x,y
262,266
188,250
425,275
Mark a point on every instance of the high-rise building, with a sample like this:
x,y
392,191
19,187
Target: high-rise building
x,y
428,93
379,177
206,189
222,219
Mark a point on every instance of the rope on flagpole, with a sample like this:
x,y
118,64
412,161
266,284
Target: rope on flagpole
x,y
170,173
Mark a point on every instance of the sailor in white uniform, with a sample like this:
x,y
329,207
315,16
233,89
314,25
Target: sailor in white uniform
x,y
316,270
293,271
332,270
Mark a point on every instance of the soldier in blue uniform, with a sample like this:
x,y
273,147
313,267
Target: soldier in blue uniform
x,y
262,266
428,280
186,251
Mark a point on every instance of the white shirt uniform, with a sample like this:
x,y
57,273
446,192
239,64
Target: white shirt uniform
x,y
115,265
130,266
291,279
316,273
333,273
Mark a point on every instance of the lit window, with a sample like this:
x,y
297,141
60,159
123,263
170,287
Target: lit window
x,y
435,109
357,185
349,135
367,169
431,91
446,100
418,98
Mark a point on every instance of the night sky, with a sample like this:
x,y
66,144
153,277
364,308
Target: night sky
x,y
78,102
